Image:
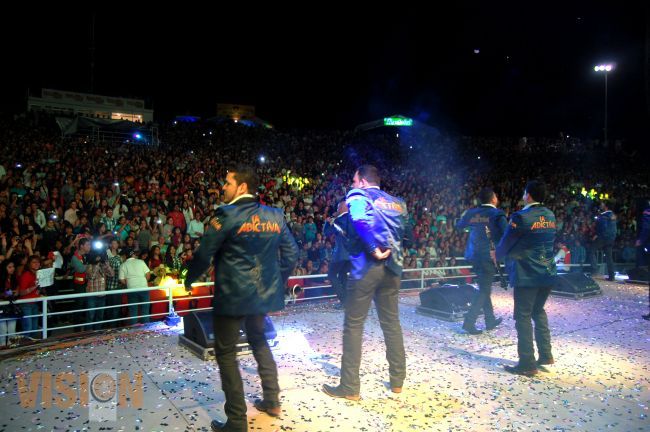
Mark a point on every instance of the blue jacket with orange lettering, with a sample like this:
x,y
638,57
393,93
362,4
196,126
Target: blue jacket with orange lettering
x,y
341,228
477,219
380,221
606,226
527,246
254,254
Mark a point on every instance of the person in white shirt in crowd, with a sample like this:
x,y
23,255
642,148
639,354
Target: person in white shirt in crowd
x,y
196,228
70,214
134,273
39,216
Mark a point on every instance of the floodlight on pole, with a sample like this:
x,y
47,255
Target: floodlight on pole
x,y
605,68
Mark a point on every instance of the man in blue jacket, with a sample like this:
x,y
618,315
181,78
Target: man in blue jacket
x,y
527,246
487,215
643,242
604,239
379,220
254,254
341,228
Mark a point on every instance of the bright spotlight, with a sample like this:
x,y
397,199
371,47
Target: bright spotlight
x,y
604,67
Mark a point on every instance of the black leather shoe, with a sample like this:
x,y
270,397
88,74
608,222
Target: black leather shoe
x,y
218,426
472,329
272,409
646,317
494,324
337,392
518,370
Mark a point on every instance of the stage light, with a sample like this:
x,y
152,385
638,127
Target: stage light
x,y
137,136
262,159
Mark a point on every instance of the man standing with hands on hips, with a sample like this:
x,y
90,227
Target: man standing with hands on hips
x,y
379,222
527,246
253,253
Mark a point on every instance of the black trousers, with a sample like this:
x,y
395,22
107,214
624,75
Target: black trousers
x,y
381,285
226,336
338,275
482,299
607,250
529,304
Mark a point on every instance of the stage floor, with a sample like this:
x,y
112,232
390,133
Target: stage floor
x,y
456,382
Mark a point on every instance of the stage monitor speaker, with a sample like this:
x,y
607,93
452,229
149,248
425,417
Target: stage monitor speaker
x,y
197,327
575,285
448,302
198,334
638,274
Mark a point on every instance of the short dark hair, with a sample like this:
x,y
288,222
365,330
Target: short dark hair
x,y
370,173
485,195
83,241
246,174
536,189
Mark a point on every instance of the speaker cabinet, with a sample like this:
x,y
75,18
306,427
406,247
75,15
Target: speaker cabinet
x,y
575,285
198,334
448,302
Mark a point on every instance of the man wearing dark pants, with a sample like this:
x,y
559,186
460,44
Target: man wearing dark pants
x,y
604,240
486,224
254,254
527,246
379,222
225,340
338,271
643,243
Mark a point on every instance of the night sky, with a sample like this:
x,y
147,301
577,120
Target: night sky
x,y
329,66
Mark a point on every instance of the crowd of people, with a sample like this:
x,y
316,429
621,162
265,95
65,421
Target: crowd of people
x,y
154,202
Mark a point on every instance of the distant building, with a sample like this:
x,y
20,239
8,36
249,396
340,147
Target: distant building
x,y
244,114
61,102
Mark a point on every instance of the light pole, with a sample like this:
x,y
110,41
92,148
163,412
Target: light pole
x,y
605,68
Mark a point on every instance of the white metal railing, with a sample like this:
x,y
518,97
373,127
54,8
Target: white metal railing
x,y
426,274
